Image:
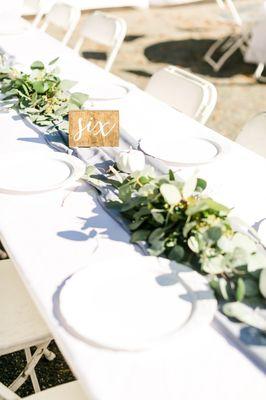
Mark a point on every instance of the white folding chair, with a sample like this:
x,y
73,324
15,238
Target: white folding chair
x,y
184,91
253,135
21,326
64,16
242,18
67,391
104,29
38,8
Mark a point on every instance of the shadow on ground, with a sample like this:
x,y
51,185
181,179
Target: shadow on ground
x,y
190,53
94,55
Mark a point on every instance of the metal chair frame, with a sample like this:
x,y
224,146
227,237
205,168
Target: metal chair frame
x,y
41,340
230,45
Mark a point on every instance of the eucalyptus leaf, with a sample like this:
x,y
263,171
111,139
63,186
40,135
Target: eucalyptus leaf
x,y
170,193
177,253
245,314
193,244
241,289
156,235
79,98
67,84
139,235
214,265
262,283
37,65
157,216
54,61
214,233
201,185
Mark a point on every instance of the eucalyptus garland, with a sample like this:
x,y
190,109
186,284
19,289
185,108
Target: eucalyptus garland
x,y
39,94
175,219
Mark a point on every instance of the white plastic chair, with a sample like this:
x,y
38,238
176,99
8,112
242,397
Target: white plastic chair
x,y
242,18
253,135
68,391
21,326
38,8
64,16
184,91
104,29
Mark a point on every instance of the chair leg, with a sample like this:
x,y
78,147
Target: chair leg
x,y
29,368
33,376
231,49
258,73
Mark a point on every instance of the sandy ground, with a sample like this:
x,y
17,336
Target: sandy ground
x,y
180,36
177,35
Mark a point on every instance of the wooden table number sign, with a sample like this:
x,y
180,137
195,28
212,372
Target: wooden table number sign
x,y
94,128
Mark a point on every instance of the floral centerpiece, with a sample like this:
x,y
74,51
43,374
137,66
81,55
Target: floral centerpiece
x,y
177,220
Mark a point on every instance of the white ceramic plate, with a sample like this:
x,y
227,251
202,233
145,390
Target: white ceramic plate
x,y
131,302
107,92
38,172
187,151
102,92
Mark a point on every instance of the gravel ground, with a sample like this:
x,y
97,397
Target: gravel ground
x,y
177,35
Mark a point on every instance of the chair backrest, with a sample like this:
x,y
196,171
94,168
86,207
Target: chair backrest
x,y
184,91
39,8
65,16
106,30
253,134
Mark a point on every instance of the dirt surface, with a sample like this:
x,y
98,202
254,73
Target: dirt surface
x,y
181,35
177,35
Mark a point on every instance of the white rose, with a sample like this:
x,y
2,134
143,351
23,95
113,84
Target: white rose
x,y
130,161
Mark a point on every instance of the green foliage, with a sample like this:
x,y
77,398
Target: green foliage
x,y
177,221
40,94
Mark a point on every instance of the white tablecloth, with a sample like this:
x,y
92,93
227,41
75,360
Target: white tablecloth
x,y
50,236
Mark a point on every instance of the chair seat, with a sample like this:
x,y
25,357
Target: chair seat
x,y
21,325
68,391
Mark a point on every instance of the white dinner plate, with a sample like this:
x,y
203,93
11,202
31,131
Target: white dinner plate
x,y
185,151
102,92
107,92
130,302
38,172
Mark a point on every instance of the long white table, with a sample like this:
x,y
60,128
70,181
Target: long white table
x,y
52,235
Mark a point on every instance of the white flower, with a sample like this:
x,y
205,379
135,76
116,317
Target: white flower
x,y
190,186
146,190
13,74
170,193
148,171
130,161
262,283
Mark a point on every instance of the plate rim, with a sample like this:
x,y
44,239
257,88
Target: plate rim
x,y
219,152
105,99
76,165
202,311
